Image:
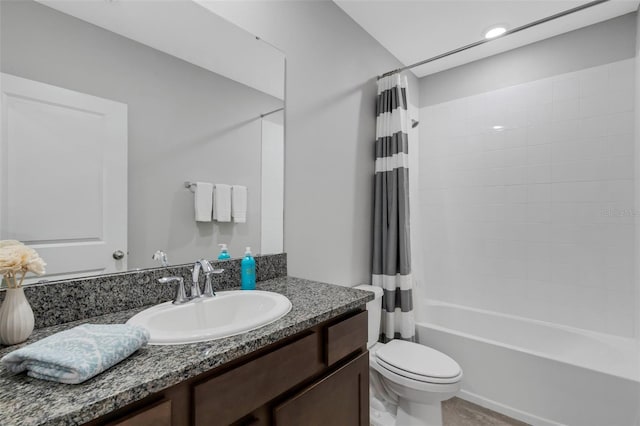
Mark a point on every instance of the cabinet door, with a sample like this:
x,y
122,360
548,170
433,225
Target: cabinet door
x,y
340,399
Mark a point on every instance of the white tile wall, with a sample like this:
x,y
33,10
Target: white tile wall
x,y
536,219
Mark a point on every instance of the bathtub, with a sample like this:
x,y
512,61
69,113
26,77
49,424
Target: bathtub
x,y
537,372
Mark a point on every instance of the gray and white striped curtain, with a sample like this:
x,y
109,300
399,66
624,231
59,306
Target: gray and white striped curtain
x,y
391,244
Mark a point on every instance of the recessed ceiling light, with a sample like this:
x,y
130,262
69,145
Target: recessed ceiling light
x,y
494,32
498,128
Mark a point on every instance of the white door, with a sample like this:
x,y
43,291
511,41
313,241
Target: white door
x,y
63,177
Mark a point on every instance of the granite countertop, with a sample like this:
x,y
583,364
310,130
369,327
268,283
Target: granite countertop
x,y
27,401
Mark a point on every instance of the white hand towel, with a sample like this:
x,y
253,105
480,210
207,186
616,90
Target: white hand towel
x,y
222,202
203,201
239,203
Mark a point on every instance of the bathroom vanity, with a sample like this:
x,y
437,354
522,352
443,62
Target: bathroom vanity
x,y
309,367
316,377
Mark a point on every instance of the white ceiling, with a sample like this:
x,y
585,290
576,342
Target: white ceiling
x,y
415,30
187,30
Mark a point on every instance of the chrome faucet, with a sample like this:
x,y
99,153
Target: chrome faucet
x,y
181,296
208,271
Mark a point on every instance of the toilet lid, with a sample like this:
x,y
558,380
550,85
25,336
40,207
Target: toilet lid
x,y
418,362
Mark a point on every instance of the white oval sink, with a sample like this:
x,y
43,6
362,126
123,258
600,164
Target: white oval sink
x,y
226,314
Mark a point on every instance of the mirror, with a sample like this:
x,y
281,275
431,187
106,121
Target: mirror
x,y
109,107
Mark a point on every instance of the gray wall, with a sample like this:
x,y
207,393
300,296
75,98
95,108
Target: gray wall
x,y
598,44
185,123
330,130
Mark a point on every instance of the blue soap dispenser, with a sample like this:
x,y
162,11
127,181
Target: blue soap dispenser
x,y
224,253
248,271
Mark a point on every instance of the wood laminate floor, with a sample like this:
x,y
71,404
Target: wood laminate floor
x,y
458,412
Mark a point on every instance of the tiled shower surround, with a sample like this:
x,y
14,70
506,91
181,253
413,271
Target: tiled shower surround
x,y
527,199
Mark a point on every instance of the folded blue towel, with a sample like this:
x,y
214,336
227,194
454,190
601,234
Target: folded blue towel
x,y
75,355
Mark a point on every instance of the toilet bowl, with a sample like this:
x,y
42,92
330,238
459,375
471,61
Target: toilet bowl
x,y
412,379
419,377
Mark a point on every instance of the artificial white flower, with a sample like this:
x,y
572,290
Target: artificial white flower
x,y
12,259
15,257
36,265
6,243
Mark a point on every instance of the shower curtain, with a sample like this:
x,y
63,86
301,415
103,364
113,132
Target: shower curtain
x,y
391,244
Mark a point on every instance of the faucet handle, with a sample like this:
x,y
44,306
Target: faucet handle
x,y
161,256
208,286
181,296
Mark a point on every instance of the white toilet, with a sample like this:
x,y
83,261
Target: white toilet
x,y
408,380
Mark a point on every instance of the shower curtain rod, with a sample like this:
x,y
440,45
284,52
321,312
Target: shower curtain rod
x,y
271,112
512,31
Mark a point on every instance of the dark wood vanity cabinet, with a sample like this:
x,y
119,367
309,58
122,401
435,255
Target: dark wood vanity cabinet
x,y
340,399
317,377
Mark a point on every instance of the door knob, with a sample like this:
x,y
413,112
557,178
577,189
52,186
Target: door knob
x,y
118,254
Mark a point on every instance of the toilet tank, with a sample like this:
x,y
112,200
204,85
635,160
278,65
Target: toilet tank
x,y
374,311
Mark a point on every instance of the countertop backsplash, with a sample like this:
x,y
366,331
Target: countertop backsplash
x,y
58,302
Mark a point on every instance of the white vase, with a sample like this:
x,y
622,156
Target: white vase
x,y
16,317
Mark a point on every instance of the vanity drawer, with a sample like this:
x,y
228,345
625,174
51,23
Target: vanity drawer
x,y
158,414
223,399
345,337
